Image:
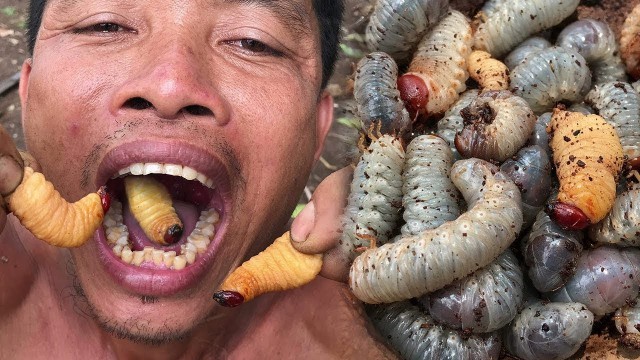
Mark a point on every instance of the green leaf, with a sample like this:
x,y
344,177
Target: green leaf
x,y
8,10
297,210
351,52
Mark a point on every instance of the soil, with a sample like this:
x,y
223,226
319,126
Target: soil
x,y
340,146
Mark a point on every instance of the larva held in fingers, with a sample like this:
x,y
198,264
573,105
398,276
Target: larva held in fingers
x,y
416,336
550,76
416,265
621,226
606,278
396,26
375,198
520,53
429,196
630,42
438,70
498,31
496,125
482,302
627,320
545,330
452,121
588,158
49,217
377,97
489,73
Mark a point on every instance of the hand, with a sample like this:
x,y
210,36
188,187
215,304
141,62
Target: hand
x,y
11,170
318,227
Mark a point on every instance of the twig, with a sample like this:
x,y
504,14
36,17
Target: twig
x,y
8,83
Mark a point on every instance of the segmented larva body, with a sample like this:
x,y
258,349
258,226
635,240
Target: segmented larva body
x,y
416,265
545,330
375,198
549,76
530,170
619,104
621,226
452,121
416,336
482,302
524,49
498,31
596,42
627,320
581,108
489,73
606,278
540,137
377,96
496,125
430,198
551,253
630,42
396,26
438,70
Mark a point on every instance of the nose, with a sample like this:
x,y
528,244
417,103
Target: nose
x,y
172,81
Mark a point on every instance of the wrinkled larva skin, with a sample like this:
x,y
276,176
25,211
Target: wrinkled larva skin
x,y
373,207
452,121
499,31
526,48
396,26
377,96
530,170
489,73
540,137
630,42
551,253
622,225
416,265
430,198
596,42
627,320
581,108
415,335
496,125
549,76
548,331
619,104
482,302
606,278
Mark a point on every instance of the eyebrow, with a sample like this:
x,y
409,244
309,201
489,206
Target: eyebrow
x,y
291,13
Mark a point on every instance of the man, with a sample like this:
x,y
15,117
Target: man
x,y
228,92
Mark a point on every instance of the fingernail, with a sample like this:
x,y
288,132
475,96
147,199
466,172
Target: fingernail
x,y
303,223
10,175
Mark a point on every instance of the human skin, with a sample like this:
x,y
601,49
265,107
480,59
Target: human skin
x,y
116,82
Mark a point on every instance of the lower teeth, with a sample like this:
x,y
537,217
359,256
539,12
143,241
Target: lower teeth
x,y
197,242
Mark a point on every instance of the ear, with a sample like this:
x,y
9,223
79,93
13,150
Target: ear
x,y
23,90
323,122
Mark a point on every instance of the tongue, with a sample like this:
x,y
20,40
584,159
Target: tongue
x,y
187,212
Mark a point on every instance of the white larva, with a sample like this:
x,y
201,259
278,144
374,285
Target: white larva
x,y
430,198
619,103
596,42
396,26
416,265
374,203
508,24
548,331
377,96
482,302
520,53
452,121
621,226
550,76
416,336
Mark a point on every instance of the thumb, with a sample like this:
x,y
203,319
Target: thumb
x,y
11,164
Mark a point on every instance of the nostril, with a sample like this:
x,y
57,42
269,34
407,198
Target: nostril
x,y
138,103
198,110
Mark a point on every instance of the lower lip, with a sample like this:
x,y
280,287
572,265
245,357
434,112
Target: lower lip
x,y
154,282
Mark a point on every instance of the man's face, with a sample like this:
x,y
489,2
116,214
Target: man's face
x,y
227,88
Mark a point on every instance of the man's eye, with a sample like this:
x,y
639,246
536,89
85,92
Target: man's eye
x,y
101,28
257,47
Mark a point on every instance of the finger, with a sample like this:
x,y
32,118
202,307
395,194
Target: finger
x,y
10,164
30,161
317,228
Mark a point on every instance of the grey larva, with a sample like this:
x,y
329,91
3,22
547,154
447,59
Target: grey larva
x,y
550,76
396,26
627,320
430,198
377,96
416,265
524,49
596,42
452,121
539,136
496,125
498,31
619,104
551,253
581,108
416,336
606,278
622,225
373,207
548,331
482,302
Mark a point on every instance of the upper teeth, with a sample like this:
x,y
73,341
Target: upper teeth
x,y
169,169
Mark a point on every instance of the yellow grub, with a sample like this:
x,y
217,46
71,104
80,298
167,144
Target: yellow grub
x,y
489,73
49,217
151,205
